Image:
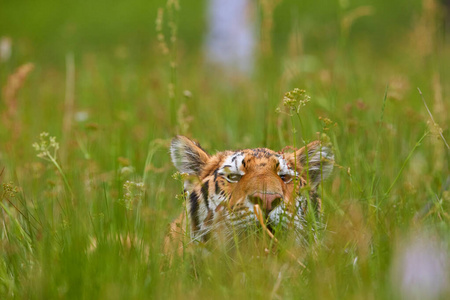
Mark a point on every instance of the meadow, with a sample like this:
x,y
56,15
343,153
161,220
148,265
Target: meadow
x,y
92,94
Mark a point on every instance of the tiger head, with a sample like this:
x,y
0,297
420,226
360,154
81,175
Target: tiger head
x,y
223,189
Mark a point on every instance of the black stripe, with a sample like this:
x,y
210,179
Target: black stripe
x,y
217,188
215,174
193,200
208,222
205,193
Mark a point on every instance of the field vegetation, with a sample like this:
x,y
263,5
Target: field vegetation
x,y
92,94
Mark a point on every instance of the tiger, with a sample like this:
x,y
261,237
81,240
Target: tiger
x,y
224,192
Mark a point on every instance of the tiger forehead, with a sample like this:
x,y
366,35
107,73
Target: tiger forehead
x,y
258,156
261,153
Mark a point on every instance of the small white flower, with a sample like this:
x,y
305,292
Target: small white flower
x,y
5,48
421,269
81,116
126,170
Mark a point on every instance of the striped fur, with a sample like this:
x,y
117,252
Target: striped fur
x,y
222,189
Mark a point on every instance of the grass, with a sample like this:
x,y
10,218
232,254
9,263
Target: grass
x,y
79,224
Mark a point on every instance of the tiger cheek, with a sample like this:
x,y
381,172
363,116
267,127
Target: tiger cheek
x,y
237,193
290,192
227,187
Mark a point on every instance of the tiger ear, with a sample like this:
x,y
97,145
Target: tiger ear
x,y
187,156
315,160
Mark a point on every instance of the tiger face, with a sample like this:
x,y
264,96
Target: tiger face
x,y
223,189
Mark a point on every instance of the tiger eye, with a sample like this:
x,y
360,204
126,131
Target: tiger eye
x,y
234,177
286,178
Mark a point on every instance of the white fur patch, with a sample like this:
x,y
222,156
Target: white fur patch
x,y
321,161
215,200
233,164
284,168
186,157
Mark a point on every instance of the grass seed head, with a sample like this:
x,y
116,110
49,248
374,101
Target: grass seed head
x,y
296,99
47,147
133,193
10,190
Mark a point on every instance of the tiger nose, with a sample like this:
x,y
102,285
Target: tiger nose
x,y
267,201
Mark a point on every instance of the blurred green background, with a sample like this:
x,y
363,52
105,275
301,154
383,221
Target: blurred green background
x,y
47,29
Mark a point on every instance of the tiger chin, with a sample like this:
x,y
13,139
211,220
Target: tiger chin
x,y
226,191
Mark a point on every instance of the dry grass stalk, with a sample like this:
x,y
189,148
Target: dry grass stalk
x,y
127,242
350,17
440,113
436,125
260,218
10,91
268,8
423,37
259,215
439,106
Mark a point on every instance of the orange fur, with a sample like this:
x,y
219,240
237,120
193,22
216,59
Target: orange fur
x,y
224,187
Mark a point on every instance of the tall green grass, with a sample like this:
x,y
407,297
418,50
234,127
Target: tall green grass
x,y
82,226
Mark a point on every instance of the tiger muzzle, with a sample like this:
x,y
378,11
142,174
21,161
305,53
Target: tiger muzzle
x,y
267,201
